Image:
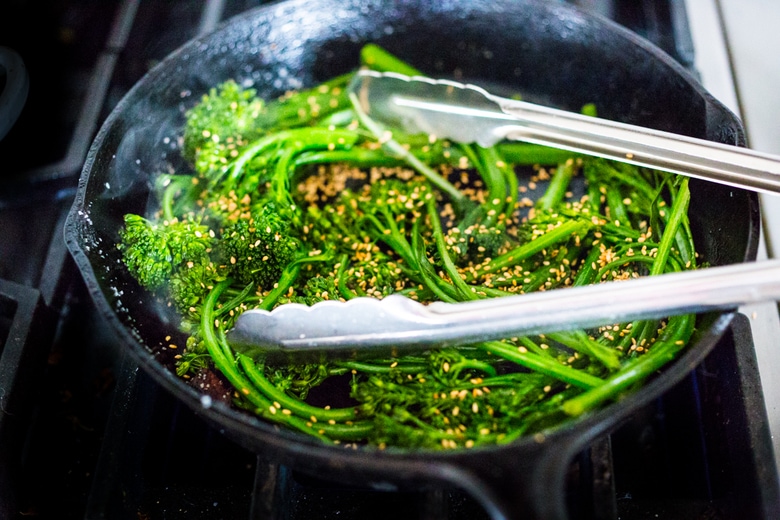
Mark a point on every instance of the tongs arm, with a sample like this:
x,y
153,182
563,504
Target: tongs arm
x,y
380,327
468,113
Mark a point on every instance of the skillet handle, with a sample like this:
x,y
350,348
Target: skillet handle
x,y
526,482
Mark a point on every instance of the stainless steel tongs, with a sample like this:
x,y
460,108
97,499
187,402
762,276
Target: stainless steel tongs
x,y
466,113
398,323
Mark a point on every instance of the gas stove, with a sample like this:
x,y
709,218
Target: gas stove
x,y
85,434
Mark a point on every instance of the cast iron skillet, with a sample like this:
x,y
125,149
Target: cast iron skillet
x,y
551,53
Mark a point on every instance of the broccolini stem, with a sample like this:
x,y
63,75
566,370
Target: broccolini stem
x,y
489,163
540,278
609,172
388,232
228,366
463,288
473,364
171,185
559,183
677,333
300,140
349,431
341,278
678,214
542,364
432,432
522,252
392,146
526,154
588,272
622,261
306,106
235,301
167,203
255,373
384,368
375,57
367,157
683,237
442,289
579,341
359,157
236,167
435,284
288,277
617,209
533,347
503,187
641,335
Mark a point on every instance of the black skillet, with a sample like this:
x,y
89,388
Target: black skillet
x,y
551,53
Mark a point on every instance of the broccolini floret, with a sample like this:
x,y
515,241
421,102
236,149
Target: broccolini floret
x,y
256,249
189,285
221,122
153,251
476,243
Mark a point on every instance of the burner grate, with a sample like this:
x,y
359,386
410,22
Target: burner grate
x,y
24,330
663,461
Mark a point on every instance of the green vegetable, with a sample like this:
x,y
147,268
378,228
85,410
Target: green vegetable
x,y
259,247
155,251
303,199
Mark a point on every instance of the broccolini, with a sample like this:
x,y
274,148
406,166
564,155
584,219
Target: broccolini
x,y
298,199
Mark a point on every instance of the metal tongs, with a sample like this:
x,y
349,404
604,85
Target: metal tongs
x,y
466,113
396,323
469,114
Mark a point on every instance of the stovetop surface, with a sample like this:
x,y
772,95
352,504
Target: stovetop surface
x,y
88,435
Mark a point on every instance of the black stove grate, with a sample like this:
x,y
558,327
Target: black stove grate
x,y
21,348
700,451
85,434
